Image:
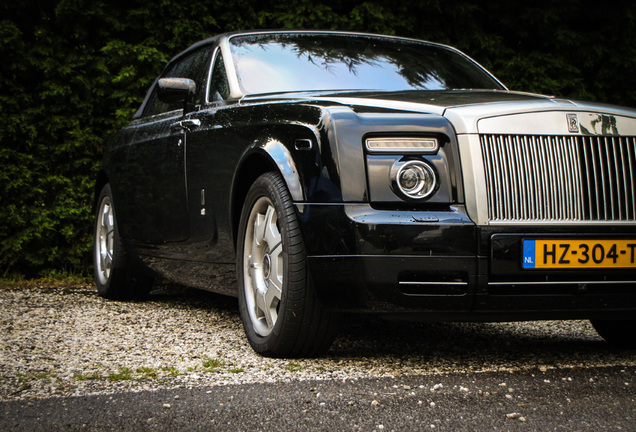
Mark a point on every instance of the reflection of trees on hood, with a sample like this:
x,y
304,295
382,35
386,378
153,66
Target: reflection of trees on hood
x,y
420,64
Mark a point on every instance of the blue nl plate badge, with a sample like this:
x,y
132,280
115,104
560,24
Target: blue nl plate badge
x,y
528,254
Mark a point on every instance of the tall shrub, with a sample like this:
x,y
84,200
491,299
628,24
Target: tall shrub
x,y
73,71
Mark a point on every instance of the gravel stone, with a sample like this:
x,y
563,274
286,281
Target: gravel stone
x,y
62,341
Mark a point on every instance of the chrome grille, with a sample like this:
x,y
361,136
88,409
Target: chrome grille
x,y
560,178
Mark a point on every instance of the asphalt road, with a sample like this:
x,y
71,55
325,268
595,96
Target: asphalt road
x,y
379,376
579,399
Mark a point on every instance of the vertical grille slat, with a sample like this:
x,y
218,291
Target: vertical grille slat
x,y
575,157
544,210
567,175
620,166
559,178
631,150
535,210
524,191
602,186
586,160
609,184
555,179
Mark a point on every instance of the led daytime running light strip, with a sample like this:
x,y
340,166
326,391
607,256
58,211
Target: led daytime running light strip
x,y
403,145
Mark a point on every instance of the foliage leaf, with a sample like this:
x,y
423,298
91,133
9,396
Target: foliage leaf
x,y
74,71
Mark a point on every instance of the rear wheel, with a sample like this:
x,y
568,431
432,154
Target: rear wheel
x,y
115,276
621,333
281,313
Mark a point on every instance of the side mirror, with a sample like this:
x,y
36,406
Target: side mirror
x,y
177,90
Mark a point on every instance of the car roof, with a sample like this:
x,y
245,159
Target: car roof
x,y
214,39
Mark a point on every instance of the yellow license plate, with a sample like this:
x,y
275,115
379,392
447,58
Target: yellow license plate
x,y
568,253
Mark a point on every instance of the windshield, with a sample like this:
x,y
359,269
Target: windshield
x,y
269,63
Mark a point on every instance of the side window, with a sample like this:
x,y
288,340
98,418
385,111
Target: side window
x,y
194,66
197,70
219,87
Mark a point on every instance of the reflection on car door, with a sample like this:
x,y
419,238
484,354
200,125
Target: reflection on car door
x,y
211,158
156,162
156,159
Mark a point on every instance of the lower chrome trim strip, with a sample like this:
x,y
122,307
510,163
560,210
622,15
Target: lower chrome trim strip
x,y
562,283
433,283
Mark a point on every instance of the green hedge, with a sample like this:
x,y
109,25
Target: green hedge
x,y
73,71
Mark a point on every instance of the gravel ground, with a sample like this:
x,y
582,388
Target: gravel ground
x,y
65,341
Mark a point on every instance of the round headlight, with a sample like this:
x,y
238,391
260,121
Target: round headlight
x,y
416,179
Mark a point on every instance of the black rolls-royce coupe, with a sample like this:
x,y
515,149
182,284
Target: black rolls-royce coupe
x,y
314,174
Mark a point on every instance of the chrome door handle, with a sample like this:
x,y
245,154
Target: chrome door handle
x,y
186,125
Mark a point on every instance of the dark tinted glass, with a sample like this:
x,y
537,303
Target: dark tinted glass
x,y
219,87
296,62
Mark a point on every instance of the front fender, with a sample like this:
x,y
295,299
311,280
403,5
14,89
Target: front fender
x,y
282,158
259,158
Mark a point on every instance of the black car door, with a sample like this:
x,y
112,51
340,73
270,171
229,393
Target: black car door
x,y
211,157
156,161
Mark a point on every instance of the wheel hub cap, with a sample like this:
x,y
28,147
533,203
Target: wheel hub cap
x,y
267,265
104,240
263,266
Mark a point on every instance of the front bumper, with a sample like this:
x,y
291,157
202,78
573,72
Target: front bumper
x,y
439,265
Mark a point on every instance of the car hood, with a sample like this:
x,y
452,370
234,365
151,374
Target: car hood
x,y
466,108
433,101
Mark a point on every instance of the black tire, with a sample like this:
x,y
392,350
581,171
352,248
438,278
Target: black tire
x,y
115,275
620,333
281,312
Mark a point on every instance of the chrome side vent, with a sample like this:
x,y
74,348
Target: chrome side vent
x,y
538,178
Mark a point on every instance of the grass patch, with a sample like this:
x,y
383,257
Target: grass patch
x,y
123,374
147,372
237,370
171,371
212,365
126,373
81,376
23,382
293,366
22,386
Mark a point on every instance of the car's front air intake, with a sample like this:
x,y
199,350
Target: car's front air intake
x,y
560,178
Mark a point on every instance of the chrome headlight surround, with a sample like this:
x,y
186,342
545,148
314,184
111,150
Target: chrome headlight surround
x,y
414,179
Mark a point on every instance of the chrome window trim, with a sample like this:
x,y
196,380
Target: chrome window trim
x,y
230,70
210,68
235,89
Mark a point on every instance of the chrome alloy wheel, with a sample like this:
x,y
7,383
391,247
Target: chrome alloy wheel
x,y
263,266
105,240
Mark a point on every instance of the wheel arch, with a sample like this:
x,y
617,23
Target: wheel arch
x,y
100,182
271,155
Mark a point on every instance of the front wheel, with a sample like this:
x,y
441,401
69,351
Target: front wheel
x,y
281,313
115,275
